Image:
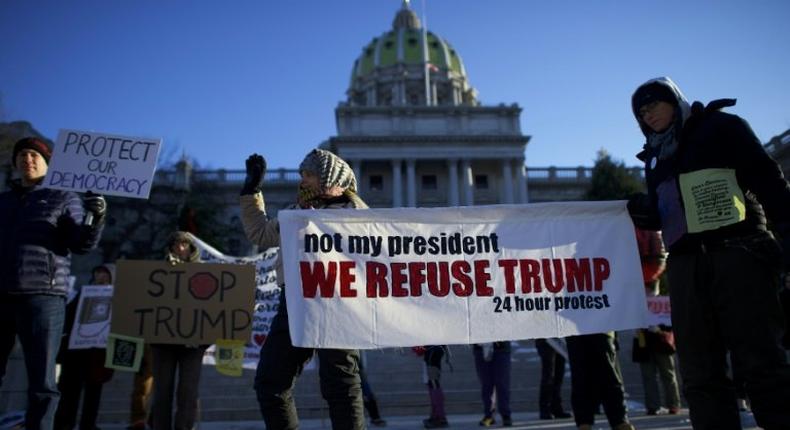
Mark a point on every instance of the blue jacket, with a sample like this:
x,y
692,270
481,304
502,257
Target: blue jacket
x,y
39,229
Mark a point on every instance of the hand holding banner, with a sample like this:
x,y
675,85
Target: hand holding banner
x,y
103,163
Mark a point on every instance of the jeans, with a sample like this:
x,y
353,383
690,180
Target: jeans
x,y
37,319
726,298
494,375
281,363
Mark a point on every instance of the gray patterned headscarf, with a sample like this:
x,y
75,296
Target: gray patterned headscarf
x,y
331,170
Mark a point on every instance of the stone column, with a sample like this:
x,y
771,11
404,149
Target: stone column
x,y
411,183
468,182
452,192
507,180
397,192
521,181
356,165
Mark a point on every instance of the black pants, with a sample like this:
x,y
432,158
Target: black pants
x,y
77,377
281,363
595,379
724,299
552,373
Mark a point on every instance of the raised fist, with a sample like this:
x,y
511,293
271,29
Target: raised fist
x,y
256,169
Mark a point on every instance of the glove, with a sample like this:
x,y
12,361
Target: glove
x,y
256,169
96,207
639,208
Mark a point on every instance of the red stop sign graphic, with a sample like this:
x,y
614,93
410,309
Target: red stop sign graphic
x,y
203,285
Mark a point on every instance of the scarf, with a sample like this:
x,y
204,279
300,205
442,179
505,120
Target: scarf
x,y
664,142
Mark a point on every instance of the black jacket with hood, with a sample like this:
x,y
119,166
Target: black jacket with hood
x,y
709,139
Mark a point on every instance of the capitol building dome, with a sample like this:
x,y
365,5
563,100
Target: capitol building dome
x,y
391,70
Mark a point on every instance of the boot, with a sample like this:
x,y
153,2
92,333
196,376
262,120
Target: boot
x,y
437,403
372,406
558,412
435,423
624,426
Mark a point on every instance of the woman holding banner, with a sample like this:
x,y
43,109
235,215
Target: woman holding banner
x,y
186,360
327,182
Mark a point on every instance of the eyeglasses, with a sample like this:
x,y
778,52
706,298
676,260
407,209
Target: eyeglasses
x,y
648,108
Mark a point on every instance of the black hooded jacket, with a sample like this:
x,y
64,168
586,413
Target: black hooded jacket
x,y
710,139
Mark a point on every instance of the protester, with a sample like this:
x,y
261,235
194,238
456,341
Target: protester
x,y
432,355
369,398
39,229
492,363
81,368
552,373
596,379
327,182
654,347
710,185
171,361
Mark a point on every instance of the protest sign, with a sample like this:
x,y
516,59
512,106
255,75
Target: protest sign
x,y
267,299
123,352
712,199
659,312
189,303
103,163
92,321
430,276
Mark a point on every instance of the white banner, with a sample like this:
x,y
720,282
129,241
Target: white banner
x,y
103,163
267,298
431,276
659,312
92,321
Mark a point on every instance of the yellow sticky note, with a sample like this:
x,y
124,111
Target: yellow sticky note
x,y
124,352
712,199
229,355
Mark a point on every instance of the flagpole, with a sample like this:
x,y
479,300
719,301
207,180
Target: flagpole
x,y
426,57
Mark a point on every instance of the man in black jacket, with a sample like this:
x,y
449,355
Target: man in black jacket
x,y
710,185
39,229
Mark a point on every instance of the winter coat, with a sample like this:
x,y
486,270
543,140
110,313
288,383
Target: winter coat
x,y
710,139
39,229
265,232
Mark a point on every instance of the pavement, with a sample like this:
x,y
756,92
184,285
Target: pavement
x,y
521,421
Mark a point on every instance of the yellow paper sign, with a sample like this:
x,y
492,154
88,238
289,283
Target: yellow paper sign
x,y
712,199
229,355
124,352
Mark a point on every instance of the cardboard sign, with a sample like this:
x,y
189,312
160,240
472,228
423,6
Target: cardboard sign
x,y
124,353
433,276
659,311
191,303
103,163
92,323
712,199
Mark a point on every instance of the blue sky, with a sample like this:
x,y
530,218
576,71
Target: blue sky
x,y
219,80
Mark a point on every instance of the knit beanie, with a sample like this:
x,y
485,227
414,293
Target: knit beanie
x,y
650,93
331,170
41,146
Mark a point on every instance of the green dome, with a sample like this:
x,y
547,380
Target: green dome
x,y
405,46
391,69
